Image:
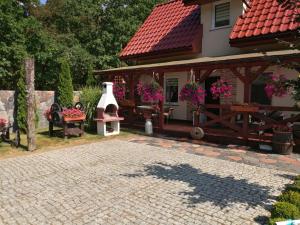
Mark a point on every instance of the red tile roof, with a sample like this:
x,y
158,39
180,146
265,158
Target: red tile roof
x,y
265,17
170,26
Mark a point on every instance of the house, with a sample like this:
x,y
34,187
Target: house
x,y
236,40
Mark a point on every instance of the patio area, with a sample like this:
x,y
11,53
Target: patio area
x,y
138,180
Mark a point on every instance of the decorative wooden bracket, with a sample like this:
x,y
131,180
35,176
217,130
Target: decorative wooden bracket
x,y
204,76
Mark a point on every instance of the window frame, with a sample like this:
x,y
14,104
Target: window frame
x,y
166,84
213,25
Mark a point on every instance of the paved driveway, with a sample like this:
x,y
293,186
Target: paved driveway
x,y
120,182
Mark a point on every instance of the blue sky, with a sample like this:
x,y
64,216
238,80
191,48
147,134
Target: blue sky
x,y
43,1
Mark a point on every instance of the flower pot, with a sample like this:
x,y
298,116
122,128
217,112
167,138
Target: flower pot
x,y
283,142
69,119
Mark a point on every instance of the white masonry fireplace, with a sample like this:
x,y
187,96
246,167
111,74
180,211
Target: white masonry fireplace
x,y
108,121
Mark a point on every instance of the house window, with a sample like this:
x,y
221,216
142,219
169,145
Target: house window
x,y
172,90
221,15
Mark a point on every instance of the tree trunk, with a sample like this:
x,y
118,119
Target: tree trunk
x,y
29,69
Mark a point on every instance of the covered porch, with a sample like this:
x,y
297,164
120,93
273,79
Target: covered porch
x,y
244,121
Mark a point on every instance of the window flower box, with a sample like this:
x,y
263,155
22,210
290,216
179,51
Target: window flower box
x,y
73,115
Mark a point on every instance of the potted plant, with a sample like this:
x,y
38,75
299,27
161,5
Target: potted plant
x,y
73,114
282,139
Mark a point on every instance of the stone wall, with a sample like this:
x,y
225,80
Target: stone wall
x,y
44,100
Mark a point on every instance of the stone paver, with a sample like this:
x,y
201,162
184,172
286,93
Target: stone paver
x,y
121,182
236,153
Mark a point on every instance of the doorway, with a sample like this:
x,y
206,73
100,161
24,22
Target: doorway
x,y
209,98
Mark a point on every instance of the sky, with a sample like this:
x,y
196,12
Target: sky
x,y
43,1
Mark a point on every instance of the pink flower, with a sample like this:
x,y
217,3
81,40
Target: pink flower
x,y
72,113
3,122
192,92
152,92
276,86
221,88
119,91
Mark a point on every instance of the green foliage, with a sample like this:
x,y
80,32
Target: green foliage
x,y
90,81
291,197
89,97
21,107
90,32
288,206
296,186
285,210
277,219
65,87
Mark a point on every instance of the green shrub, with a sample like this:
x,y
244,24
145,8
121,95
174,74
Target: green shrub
x,y
291,197
285,210
65,86
274,220
89,97
296,186
21,107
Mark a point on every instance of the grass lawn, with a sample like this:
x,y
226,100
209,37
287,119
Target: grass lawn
x,y
46,143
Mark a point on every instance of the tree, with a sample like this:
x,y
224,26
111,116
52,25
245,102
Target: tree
x,y
90,81
21,106
90,32
65,87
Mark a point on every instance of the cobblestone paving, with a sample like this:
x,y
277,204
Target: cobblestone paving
x,y
120,182
236,153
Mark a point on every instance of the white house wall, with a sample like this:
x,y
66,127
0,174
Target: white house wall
x,y
276,101
180,109
215,42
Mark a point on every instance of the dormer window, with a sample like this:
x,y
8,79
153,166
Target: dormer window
x,y
221,14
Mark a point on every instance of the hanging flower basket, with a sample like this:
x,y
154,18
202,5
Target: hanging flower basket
x,y
276,85
150,93
192,92
221,88
119,91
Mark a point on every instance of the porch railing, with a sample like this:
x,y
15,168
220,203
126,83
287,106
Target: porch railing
x,y
246,121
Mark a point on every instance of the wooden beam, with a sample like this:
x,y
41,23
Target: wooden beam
x,y
256,74
222,120
161,103
206,74
238,74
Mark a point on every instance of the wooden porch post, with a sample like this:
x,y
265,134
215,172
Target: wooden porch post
x,y
161,103
247,85
131,97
